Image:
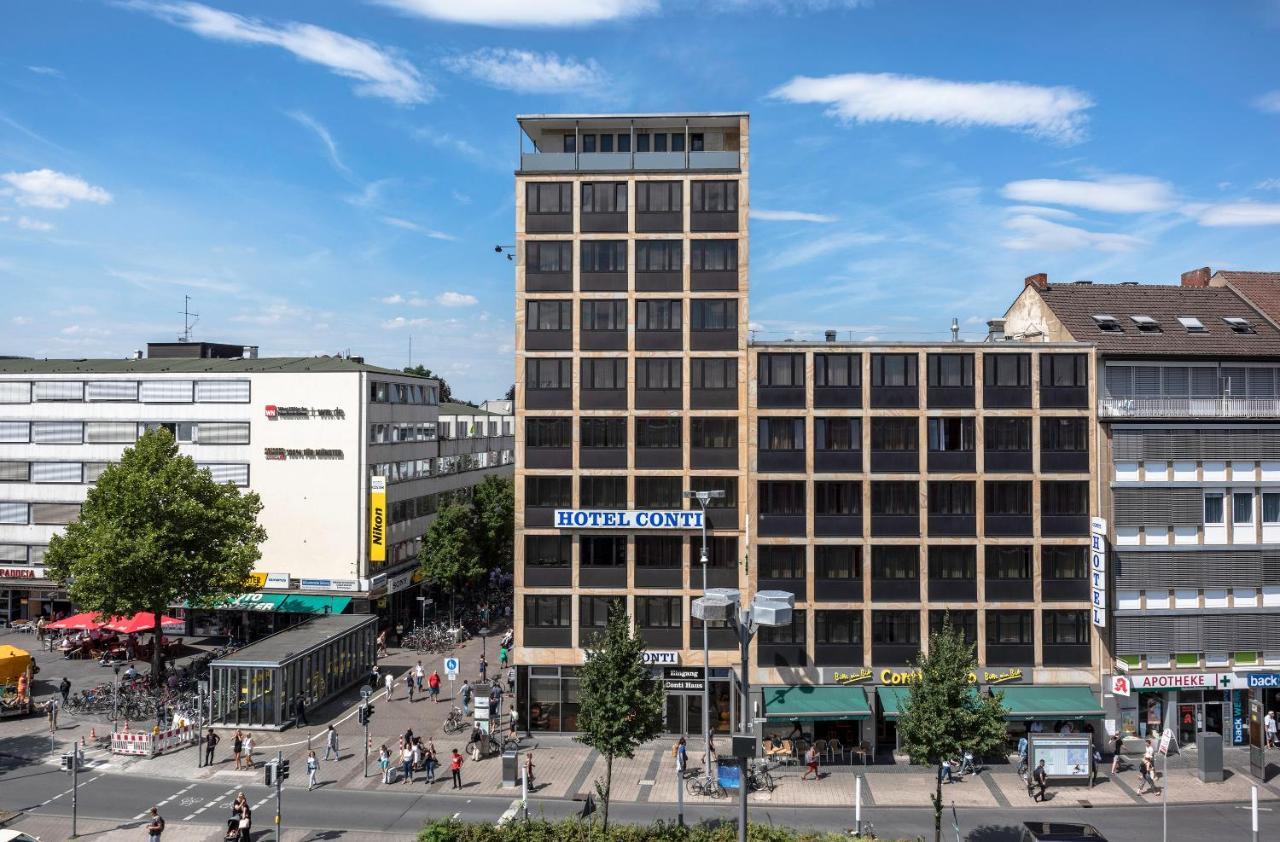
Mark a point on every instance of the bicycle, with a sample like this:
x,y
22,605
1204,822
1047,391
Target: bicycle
x,y
455,721
758,777
705,786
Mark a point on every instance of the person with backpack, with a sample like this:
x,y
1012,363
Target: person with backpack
x,y
464,696
1039,778
1146,773
155,827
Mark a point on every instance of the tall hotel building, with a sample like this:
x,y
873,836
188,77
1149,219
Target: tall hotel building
x,y
885,485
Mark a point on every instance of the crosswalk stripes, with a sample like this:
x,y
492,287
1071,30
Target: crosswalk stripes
x,y
220,799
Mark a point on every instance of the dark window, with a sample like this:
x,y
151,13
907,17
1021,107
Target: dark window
x,y
838,370
1064,370
547,612
895,434
837,627
1007,497
549,315
659,612
548,373
713,314
901,628
714,372
1010,434
697,142
659,493
661,373
950,435
588,143
604,255
606,143
555,197
837,498
658,432
548,258
713,196
1064,434
659,256
1064,498
837,561
570,143
951,370
895,498
624,142
604,373
842,434
604,432
642,142
604,196
659,142
603,551
661,551
965,622
604,315
1008,562
1007,370
1065,562
593,611
548,432
596,492
729,485
713,255
893,369
951,498
791,634
1010,627
548,550
721,552
781,434
893,561
1066,627
658,196
781,498
548,492
781,562
658,314
953,562
781,370
713,432
677,141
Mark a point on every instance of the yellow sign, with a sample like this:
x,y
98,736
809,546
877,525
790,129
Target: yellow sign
x,y
256,580
1014,674
913,677
377,519
842,677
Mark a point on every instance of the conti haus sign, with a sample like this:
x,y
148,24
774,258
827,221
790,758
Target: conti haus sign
x,y
627,519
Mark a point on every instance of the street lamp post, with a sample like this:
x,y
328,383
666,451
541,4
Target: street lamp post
x,y
115,694
703,497
422,604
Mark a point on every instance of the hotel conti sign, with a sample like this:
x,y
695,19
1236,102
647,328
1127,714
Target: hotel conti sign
x,y
627,519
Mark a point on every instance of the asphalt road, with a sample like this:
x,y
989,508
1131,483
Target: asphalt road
x,y
44,789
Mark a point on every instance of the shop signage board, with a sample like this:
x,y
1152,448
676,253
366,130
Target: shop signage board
x,y
1120,685
1098,571
661,658
682,678
21,572
277,581
1165,739
318,584
294,413
657,519
399,582
377,519
1183,681
1263,679
344,585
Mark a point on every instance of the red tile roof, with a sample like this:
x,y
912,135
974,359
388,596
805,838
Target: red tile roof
x,y
1261,289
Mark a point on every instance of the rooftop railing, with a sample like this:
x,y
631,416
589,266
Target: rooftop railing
x,y
1208,406
628,161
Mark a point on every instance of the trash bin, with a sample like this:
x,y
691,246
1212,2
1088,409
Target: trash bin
x,y
511,768
1209,749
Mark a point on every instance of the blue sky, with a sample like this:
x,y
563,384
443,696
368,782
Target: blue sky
x,y
326,176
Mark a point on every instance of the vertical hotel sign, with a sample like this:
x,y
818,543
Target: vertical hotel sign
x,y
377,519
1098,570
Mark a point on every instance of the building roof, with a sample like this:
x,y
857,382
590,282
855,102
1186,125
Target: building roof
x,y
1076,305
464,409
1261,289
192,365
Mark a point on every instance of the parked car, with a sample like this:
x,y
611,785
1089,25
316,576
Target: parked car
x,y
1060,832
16,836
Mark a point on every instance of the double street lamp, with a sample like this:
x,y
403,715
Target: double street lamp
x,y
703,497
767,608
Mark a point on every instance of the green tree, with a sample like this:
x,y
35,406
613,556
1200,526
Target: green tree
x,y
450,552
511,393
620,703
943,715
154,531
420,370
494,501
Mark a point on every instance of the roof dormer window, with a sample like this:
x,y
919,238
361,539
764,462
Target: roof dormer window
x,y
1192,324
1146,324
1108,323
1238,325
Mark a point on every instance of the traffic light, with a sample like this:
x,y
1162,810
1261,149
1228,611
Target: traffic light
x,y
365,714
65,762
270,770
284,770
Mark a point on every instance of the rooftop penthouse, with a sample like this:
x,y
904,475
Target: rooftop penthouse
x,y
564,143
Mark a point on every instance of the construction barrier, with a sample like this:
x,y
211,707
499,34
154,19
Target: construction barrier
x,y
151,743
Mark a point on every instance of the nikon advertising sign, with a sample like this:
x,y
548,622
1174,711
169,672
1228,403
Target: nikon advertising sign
x,y
377,518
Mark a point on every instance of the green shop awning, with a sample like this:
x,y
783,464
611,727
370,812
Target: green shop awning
x,y
1050,702
281,603
815,703
892,700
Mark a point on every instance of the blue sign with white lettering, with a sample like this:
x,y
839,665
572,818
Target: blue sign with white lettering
x,y
1264,679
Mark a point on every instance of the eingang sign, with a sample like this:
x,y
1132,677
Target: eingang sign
x,y
627,519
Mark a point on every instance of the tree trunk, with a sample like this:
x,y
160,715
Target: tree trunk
x,y
608,784
157,656
937,810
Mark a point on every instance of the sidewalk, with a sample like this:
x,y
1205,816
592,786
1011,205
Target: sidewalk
x,y
59,827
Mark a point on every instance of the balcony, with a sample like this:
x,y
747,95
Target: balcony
x,y
543,162
1191,407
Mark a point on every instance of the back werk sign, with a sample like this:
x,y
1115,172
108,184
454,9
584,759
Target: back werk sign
x,y
627,519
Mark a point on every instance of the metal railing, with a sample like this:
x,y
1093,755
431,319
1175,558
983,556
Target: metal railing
x,y
1209,406
622,161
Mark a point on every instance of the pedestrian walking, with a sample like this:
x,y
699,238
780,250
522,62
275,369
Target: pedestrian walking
x,y
237,747
248,750
300,711
211,741
375,678
464,696
811,764
64,687
155,826
382,643
483,667
511,681
1150,751
409,684
1040,780
495,701
390,681
51,708
1145,773
431,762
528,770
433,683
313,766
502,657
331,744
419,674
1268,726
455,768
1117,745
406,762
384,763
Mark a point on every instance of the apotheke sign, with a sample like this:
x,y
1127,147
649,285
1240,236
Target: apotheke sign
x,y
627,519
1189,680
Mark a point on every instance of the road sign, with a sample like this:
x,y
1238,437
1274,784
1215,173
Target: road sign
x,y
451,665
1165,740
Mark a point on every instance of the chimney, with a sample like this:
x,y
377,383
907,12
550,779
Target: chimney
x,y
1039,280
1196,277
137,355
995,330
955,329
831,336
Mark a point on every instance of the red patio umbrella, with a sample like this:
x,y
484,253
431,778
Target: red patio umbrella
x,y
78,622
143,621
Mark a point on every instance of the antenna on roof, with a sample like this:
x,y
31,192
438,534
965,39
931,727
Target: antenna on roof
x,y
189,319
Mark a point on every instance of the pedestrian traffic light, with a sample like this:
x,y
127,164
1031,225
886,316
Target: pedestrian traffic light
x,y
365,714
270,772
65,762
284,770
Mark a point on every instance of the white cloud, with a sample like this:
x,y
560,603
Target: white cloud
x,y
461,198
407,225
456,299
331,147
789,216
1237,214
393,299
813,249
47,188
1048,213
527,72
379,72
524,13
796,6
444,140
1268,184
29,224
1032,233
70,330
1056,113
21,320
1116,194
150,281
1268,103
371,194
42,70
